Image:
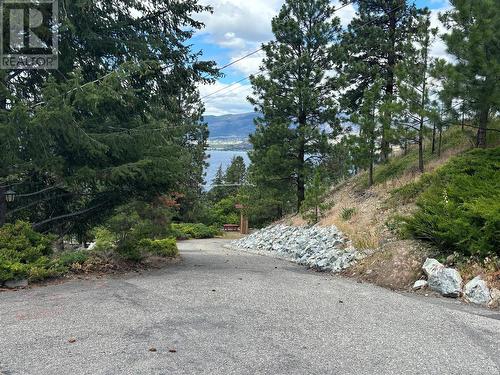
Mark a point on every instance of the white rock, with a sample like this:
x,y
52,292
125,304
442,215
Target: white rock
x,y
446,281
14,284
420,284
430,266
323,248
477,292
495,299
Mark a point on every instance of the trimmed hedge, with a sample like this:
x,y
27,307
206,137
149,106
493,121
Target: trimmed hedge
x,y
459,207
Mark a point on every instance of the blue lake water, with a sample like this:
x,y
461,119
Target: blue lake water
x,y
223,158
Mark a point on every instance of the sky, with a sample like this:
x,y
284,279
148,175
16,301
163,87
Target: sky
x,y
238,27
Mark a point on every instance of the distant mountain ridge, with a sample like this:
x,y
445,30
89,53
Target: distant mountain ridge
x,y
240,126
231,126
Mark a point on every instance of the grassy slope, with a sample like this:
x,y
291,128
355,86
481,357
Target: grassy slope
x,y
372,227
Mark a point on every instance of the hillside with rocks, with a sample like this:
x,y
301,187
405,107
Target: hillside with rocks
x,y
360,235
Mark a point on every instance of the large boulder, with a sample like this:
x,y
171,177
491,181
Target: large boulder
x,y
446,281
431,266
476,291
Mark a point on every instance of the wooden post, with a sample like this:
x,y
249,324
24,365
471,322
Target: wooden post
x,y
243,224
244,229
3,206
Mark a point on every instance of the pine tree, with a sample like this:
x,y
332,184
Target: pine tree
x,y
368,117
375,42
474,32
295,95
414,85
314,206
236,172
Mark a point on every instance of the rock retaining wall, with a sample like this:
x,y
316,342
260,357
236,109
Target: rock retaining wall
x,y
321,248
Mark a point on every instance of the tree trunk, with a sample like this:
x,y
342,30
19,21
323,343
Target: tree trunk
x,y
301,183
433,139
421,147
3,206
301,180
389,86
370,174
440,140
483,124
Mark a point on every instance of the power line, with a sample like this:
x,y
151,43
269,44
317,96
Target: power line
x,y
262,48
292,61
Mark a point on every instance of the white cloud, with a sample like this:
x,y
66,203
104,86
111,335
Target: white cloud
x,y
232,100
241,26
248,21
438,49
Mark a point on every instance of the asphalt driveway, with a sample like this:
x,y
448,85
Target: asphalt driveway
x,y
226,312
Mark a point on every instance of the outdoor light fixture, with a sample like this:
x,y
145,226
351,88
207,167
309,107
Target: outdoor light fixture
x,y
10,196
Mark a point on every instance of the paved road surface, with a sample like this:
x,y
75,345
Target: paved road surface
x,y
235,313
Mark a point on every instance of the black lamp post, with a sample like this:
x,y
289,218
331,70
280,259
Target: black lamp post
x,y
10,196
6,196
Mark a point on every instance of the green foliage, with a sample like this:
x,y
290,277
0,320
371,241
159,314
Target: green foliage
x,y
399,165
196,231
347,213
105,240
224,212
314,205
459,210
70,258
166,248
134,222
119,120
235,175
473,76
25,253
296,98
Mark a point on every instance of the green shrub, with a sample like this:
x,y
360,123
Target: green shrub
x,y
460,208
25,253
73,257
166,248
12,270
105,240
347,213
197,231
19,242
45,268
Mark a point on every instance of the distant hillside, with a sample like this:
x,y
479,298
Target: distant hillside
x,y
231,126
241,125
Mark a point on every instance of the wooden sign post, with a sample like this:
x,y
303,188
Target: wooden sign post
x,y
244,228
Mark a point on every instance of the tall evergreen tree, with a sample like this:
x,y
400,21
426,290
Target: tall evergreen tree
x,y
474,32
120,120
377,39
414,82
367,143
236,172
295,95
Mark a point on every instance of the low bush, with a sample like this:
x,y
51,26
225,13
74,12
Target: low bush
x,y
196,231
70,258
166,248
347,213
459,209
25,253
105,240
